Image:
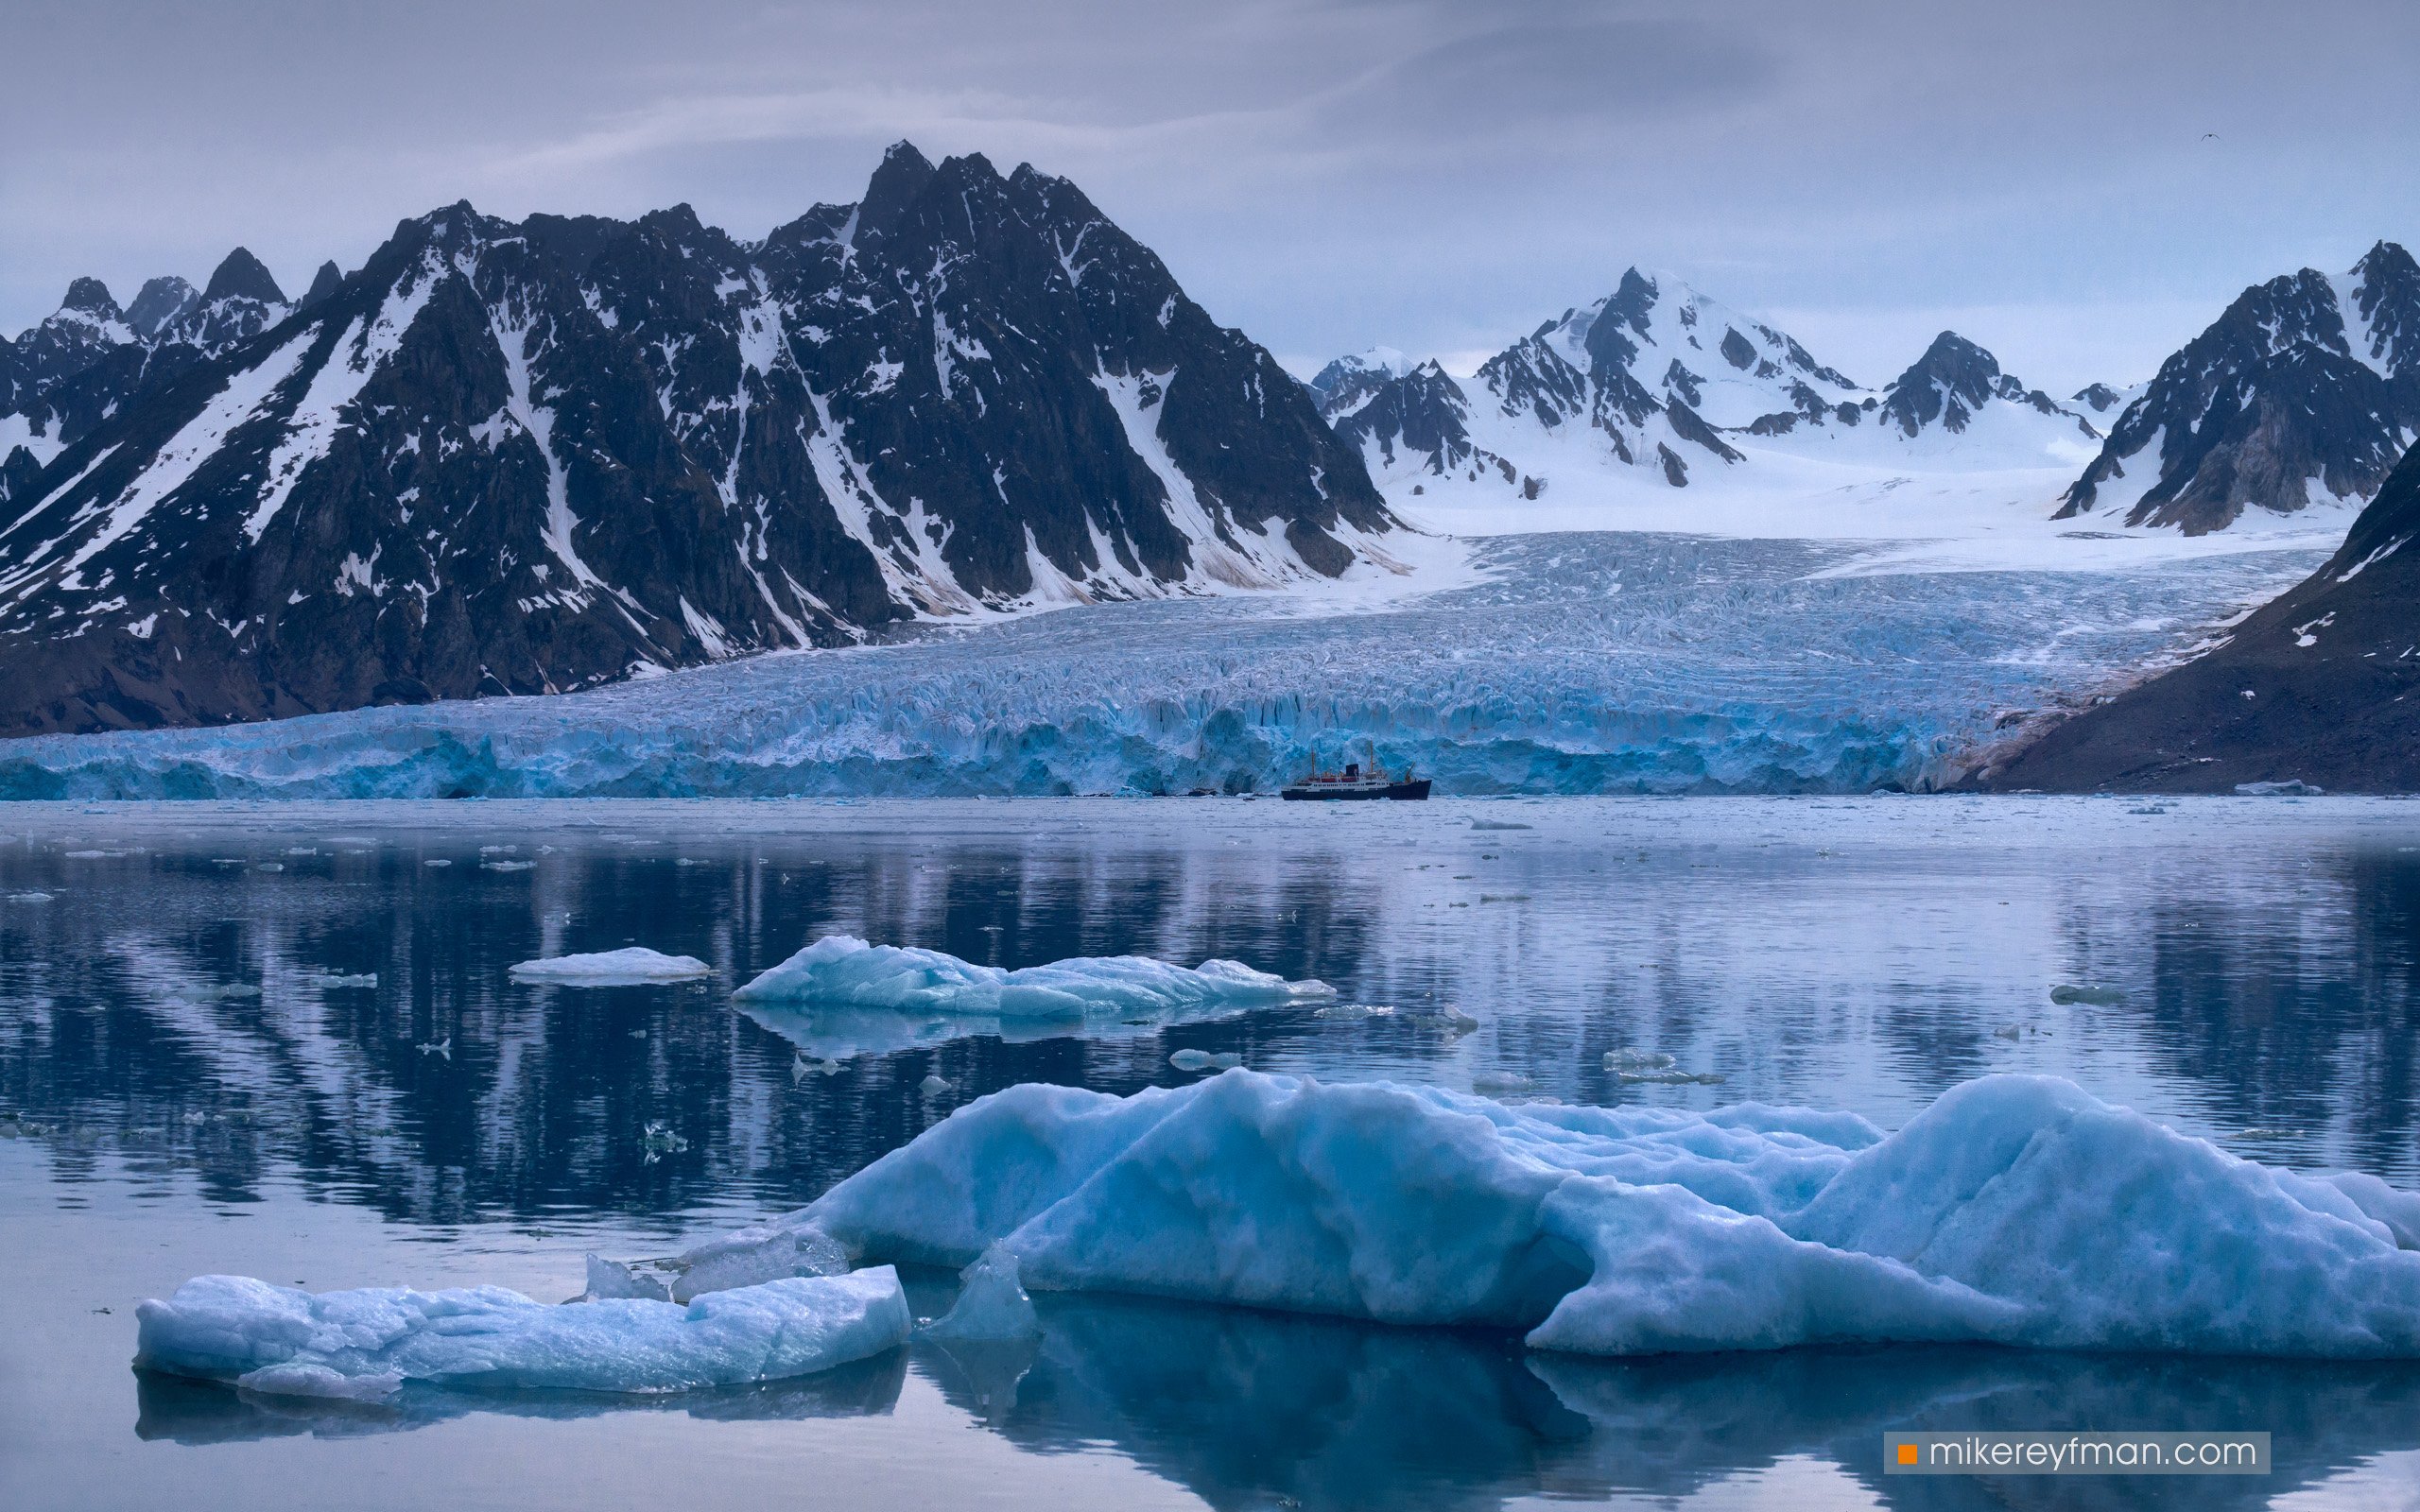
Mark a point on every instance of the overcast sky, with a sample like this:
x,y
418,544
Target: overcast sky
x,y
2079,187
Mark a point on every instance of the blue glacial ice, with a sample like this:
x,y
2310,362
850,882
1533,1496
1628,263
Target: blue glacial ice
x,y
367,1344
1579,663
843,971
2014,1210
992,1306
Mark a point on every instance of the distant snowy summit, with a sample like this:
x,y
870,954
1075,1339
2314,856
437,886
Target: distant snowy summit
x,y
1657,387
92,359
2305,391
526,457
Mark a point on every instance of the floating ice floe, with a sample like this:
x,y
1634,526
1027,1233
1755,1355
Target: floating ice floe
x,y
934,1085
842,997
2099,997
366,1344
1500,824
2014,1210
29,897
337,979
507,865
843,970
632,965
1205,1060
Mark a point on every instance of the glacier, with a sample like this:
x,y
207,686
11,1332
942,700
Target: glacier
x,y
367,1344
2016,1210
1540,663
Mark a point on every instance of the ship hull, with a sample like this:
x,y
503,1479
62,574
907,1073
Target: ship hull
x,y
1341,792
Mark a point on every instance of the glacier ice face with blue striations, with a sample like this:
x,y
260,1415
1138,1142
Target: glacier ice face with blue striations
x,y
841,970
2014,1210
1548,664
367,1344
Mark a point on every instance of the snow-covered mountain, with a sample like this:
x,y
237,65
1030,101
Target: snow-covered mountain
x,y
1658,386
2306,389
540,455
1345,383
92,359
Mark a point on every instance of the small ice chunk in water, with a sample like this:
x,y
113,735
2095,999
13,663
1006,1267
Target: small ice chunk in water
x,y
755,1255
29,897
632,966
932,1086
507,865
845,970
437,861
610,1280
1500,824
439,1047
992,1303
337,979
1205,1060
1637,1060
368,1343
2099,997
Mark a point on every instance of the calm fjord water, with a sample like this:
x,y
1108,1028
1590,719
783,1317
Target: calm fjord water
x,y
188,1083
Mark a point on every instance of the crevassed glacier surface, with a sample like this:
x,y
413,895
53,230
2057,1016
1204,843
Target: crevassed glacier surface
x,y
1579,663
368,1343
2016,1209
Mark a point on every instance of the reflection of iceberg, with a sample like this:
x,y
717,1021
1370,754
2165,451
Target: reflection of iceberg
x,y
1244,1407
2017,1209
367,1344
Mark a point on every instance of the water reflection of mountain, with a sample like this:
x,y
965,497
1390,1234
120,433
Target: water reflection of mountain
x,y
1822,952
165,1005
1244,1409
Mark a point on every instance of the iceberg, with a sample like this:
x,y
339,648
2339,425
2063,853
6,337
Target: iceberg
x,y
366,1344
841,970
2014,1210
632,966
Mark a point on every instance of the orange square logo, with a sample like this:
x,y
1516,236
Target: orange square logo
x,y
1907,1453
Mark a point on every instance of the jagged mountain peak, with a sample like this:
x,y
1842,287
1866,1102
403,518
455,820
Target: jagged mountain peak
x,y
903,175
89,296
1347,383
2100,398
323,284
1950,383
527,456
242,276
162,303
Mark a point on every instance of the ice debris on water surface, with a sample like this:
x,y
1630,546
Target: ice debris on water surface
x,y
632,966
2099,997
844,971
2016,1209
2291,787
29,897
658,1138
436,1047
340,979
1500,1081
1205,1060
992,1304
1637,1060
934,1085
611,1280
367,1344
1500,824
788,1246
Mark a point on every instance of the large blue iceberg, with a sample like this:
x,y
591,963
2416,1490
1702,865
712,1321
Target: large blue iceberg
x,y
2015,1210
1584,664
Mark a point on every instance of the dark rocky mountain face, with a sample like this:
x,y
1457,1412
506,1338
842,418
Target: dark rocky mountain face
x,y
1951,383
524,458
2299,384
2320,686
2098,398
